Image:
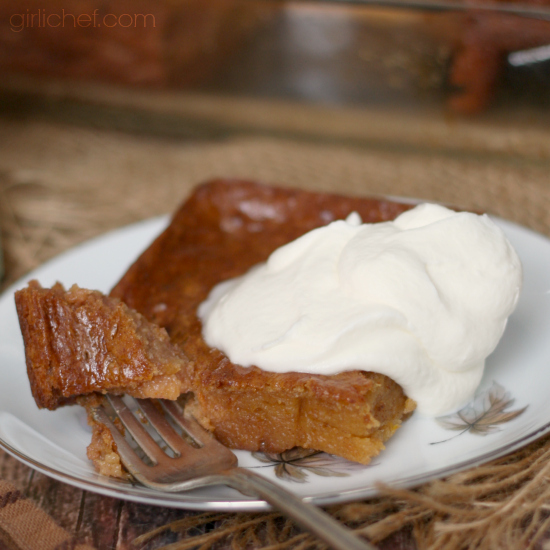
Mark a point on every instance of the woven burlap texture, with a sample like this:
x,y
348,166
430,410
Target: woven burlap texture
x,y
62,185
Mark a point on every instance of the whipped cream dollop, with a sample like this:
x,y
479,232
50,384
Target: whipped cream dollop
x,y
423,299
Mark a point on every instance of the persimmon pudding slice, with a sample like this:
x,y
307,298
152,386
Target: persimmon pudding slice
x,y
145,339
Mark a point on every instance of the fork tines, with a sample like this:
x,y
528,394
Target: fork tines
x,y
195,450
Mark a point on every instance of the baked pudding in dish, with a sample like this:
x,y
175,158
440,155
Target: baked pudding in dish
x,y
147,338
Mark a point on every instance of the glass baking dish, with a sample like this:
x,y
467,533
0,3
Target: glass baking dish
x,y
145,64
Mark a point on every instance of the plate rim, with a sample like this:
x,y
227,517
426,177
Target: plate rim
x,y
158,498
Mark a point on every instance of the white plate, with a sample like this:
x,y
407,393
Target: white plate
x,y
55,442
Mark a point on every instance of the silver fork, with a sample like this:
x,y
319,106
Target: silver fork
x,y
200,461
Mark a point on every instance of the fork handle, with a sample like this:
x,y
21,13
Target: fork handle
x,y
311,518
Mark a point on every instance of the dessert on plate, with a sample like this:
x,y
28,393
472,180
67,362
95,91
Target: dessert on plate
x,y
156,335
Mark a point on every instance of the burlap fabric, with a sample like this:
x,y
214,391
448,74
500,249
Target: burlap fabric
x,y
62,185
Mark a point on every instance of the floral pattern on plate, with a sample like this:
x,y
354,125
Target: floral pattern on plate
x,y
295,464
483,415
